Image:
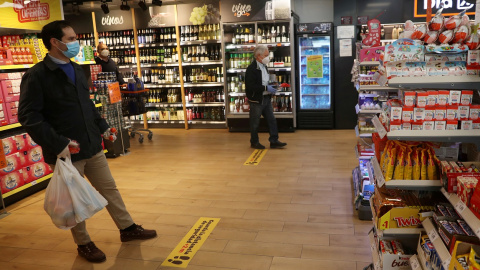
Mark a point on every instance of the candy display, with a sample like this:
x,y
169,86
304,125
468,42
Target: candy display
x,y
24,162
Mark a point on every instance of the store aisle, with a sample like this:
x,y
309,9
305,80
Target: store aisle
x,y
291,212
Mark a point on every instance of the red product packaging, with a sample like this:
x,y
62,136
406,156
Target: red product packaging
x,y
429,113
474,112
407,125
409,99
12,112
31,144
450,175
23,156
466,98
422,99
476,124
407,114
395,125
11,181
443,97
440,125
452,111
432,98
463,112
455,96
35,155
452,125
9,146
11,92
418,114
13,164
21,143
475,202
428,125
35,171
465,187
440,113
417,125
466,125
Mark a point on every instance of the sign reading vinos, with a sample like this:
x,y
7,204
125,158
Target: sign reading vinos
x,y
115,20
255,10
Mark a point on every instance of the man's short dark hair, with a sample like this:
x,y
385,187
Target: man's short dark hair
x,y
53,30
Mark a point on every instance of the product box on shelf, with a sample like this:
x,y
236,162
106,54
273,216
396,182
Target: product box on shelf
x,y
440,68
475,203
10,90
449,179
460,251
12,111
400,260
446,57
9,145
427,253
404,50
451,232
406,69
400,217
7,58
446,48
11,181
372,54
35,171
13,164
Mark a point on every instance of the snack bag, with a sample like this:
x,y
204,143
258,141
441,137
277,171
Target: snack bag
x,y
385,156
474,260
400,164
416,168
391,164
431,167
408,173
423,164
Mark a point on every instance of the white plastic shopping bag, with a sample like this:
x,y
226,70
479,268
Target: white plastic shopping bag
x,y
85,200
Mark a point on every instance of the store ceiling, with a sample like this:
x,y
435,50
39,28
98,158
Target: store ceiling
x,y
80,6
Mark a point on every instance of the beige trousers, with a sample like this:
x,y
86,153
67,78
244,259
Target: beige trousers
x,y
98,173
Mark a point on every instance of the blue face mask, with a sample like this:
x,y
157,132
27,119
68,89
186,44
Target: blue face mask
x,y
72,49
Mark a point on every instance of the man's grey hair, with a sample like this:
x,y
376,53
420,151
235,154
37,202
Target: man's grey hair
x,y
259,50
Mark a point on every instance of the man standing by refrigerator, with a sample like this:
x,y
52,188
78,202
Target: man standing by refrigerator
x,y
259,94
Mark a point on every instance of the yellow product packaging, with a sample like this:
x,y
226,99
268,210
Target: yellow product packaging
x,y
423,164
385,156
408,173
416,164
400,164
431,166
391,164
474,260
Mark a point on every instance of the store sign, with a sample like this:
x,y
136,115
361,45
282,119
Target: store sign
x,y
451,7
255,10
32,15
115,20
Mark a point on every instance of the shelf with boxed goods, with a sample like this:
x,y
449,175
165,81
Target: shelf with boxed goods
x,y
471,217
363,134
200,34
437,242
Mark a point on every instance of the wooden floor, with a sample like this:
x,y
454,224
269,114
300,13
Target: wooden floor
x,y
291,212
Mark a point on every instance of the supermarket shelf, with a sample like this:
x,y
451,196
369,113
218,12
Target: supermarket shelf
x,y
202,63
208,122
206,84
280,44
16,66
415,263
357,109
241,94
10,193
361,157
464,211
126,66
162,85
200,42
316,84
169,122
375,254
7,127
159,65
98,105
240,46
465,136
131,46
370,63
163,105
246,115
86,63
206,104
437,242
315,94
362,135
402,184
236,70
436,82
375,88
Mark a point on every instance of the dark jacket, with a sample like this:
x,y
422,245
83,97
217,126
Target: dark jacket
x,y
253,83
110,66
54,109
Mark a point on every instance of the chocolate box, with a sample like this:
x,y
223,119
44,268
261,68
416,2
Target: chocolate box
x,y
449,179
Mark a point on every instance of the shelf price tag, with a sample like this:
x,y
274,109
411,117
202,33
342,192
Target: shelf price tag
x,y
165,122
445,192
379,127
433,235
34,183
460,206
414,263
446,263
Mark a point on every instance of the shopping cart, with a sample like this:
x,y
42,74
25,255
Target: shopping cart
x,y
133,103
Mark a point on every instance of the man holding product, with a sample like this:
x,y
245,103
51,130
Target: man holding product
x,y
259,94
56,110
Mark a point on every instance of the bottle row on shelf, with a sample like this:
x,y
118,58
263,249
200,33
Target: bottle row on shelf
x,y
246,35
190,75
242,105
173,114
243,60
191,95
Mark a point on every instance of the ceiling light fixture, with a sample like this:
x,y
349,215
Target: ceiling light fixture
x,y
142,5
157,2
124,5
104,7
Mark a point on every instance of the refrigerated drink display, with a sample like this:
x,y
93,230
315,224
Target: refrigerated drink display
x,y
314,53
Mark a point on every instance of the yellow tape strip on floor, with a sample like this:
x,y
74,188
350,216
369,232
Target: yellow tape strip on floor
x,y
191,243
256,157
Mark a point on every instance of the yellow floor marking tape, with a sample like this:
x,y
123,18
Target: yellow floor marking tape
x,y
191,243
256,157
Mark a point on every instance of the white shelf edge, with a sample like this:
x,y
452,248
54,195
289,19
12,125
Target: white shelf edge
x,y
428,134
369,63
375,256
415,263
437,241
466,214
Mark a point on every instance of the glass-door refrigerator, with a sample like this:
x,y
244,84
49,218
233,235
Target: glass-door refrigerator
x,y
314,61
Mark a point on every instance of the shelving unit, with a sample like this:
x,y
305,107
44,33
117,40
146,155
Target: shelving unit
x,y
463,211
362,135
437,242
415,263
357,109
437,82
17,190
465,136
375,253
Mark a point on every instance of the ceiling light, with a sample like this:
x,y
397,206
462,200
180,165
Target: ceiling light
x,y
142,5
157,2
104,7
124,5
